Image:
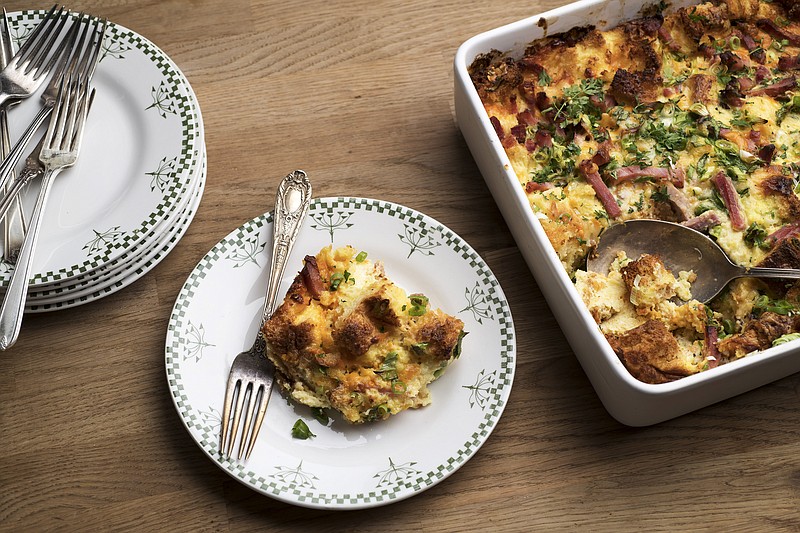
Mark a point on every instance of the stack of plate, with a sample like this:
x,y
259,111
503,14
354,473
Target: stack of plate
x,y
137,184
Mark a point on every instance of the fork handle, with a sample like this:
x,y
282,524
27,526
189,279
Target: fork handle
x,y
13,305
291,206
15,154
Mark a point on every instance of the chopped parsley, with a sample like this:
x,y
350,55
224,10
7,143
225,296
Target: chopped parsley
x,y
300,430
558,162
577,104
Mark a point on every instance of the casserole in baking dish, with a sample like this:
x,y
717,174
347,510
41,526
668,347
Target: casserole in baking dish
x,y
682,112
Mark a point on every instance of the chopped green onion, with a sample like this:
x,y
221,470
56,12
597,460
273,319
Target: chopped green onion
x,y
783,339
361,257
419,304
336,279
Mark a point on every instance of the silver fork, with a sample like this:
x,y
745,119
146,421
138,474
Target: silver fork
x,y
85,41
59,151
14,223
27,69
251,374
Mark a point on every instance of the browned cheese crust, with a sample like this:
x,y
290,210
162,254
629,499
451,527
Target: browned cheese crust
x,y
363,347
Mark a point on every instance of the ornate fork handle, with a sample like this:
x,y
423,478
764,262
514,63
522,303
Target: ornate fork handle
x,y
291,205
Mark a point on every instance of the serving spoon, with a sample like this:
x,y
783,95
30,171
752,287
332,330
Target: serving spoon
x,y
679,248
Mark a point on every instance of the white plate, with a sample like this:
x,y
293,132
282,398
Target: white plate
x,y
345,466
129,270
133,270
140,152
153,241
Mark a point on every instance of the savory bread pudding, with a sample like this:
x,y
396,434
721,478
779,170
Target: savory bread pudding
x,y
690,115
348,338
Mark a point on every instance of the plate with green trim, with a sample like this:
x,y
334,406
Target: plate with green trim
x,y
216,316
141,152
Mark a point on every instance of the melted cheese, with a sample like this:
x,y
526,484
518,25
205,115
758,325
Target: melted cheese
x,y
360,345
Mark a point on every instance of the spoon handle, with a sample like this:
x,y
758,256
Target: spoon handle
x,y
761,272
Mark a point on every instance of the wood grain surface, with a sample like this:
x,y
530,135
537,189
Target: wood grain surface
x,y
360,95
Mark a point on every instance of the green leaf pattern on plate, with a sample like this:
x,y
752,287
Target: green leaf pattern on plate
x,y
195,341
114,49
477,303
418,239
331,221
162,100
103,239
247,253
295,477
163,175
482,390
396,473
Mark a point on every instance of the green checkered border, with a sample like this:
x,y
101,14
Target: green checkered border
x,y
126,277
291,492
186,162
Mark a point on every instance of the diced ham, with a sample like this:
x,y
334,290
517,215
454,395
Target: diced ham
x,y
730,198
519,132
534,186
766,153
731,95
498,128
590,173
675,175
762,73
703,221
748,41
527,118
789,62
543,101
776,89
710,352
784,232
778,32
679,203
311,277
667,40
543,138
603,154
732,61
745,83
706,51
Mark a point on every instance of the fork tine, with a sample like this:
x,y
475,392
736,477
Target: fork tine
x,y
42,47
237,413
262,409
7,48
29,43
71,51
226,411
255,401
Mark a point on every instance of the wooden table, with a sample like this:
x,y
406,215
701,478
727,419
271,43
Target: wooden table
x,y
358,94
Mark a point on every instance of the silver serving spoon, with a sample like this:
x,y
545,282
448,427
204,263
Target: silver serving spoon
x,y
679,248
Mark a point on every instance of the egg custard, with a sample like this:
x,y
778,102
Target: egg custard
x,y
689,115
347,338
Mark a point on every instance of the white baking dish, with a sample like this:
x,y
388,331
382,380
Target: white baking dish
x,y
629,400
